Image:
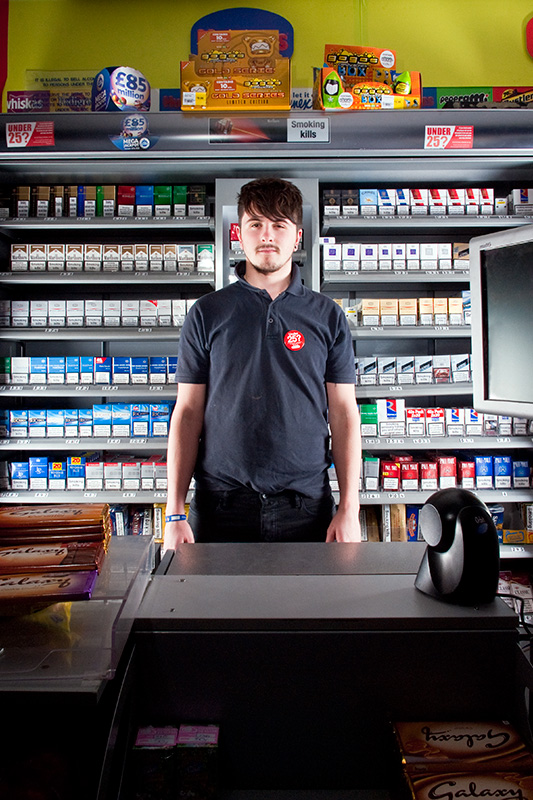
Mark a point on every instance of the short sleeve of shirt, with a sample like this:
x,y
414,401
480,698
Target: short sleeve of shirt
x,y
340,367
193,351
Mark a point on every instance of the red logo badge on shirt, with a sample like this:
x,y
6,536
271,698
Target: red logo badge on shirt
x,y
294,340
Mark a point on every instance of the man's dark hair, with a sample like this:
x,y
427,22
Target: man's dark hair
x,y
273,198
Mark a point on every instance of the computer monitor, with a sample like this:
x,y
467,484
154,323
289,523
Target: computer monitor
x,y
501,282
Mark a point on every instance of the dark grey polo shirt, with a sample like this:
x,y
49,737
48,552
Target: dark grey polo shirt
x,y
265,364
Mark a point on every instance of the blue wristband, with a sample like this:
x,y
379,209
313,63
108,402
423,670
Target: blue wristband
x,y
175,517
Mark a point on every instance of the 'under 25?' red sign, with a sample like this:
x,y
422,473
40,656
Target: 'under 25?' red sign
x,y
30,134
449,137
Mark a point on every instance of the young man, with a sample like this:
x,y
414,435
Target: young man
x,y
264,365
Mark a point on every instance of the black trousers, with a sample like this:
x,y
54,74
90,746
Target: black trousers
x,y
242,515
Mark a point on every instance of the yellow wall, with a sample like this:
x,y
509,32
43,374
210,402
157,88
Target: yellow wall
x,y
452,42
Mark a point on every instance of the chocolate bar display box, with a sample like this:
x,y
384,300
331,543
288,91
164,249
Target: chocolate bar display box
x,y
446,747
72,556
25,592
61,522
453,786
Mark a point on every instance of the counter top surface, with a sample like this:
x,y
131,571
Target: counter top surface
x,y
289,558
319,601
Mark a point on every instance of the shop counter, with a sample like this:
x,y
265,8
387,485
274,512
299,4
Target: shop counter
x,y
304,654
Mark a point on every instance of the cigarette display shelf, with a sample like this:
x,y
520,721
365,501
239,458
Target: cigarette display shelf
x,y
362,332
375,443
420,223
128,391
122,333
81,443
516,551
405,390
159,496
385,443
333,278
381,443
104,278
108,334
119,496
419,497
13,226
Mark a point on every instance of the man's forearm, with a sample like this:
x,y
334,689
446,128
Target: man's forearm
x,y
182,452
345,429
346,452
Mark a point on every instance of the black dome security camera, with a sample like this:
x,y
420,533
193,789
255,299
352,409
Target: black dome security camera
x,y
462,558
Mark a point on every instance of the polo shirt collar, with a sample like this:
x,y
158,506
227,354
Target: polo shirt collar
x,y
295,286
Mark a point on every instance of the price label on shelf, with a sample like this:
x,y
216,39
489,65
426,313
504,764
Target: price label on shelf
x,y
30,134
449,137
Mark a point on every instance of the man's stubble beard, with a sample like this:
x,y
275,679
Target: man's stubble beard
x,y
271,268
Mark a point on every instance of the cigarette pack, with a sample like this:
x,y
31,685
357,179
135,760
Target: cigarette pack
x,y
390,475
159,419
76,473
57,475
473,422
140,419
503,470
467,474
370,473
94,475
369,419
484,472
37,423
102,419
405,369
139,369
409,475
416,421
447,471
121,419
435,422
455,421
38,467
368,370
20,475
121,369
391,417
428,475
102,369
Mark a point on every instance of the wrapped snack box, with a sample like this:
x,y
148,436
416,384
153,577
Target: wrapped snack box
x,y
360,77
197,761
236,70
40,557
152,764
430,747
449,786
25,592
57,523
